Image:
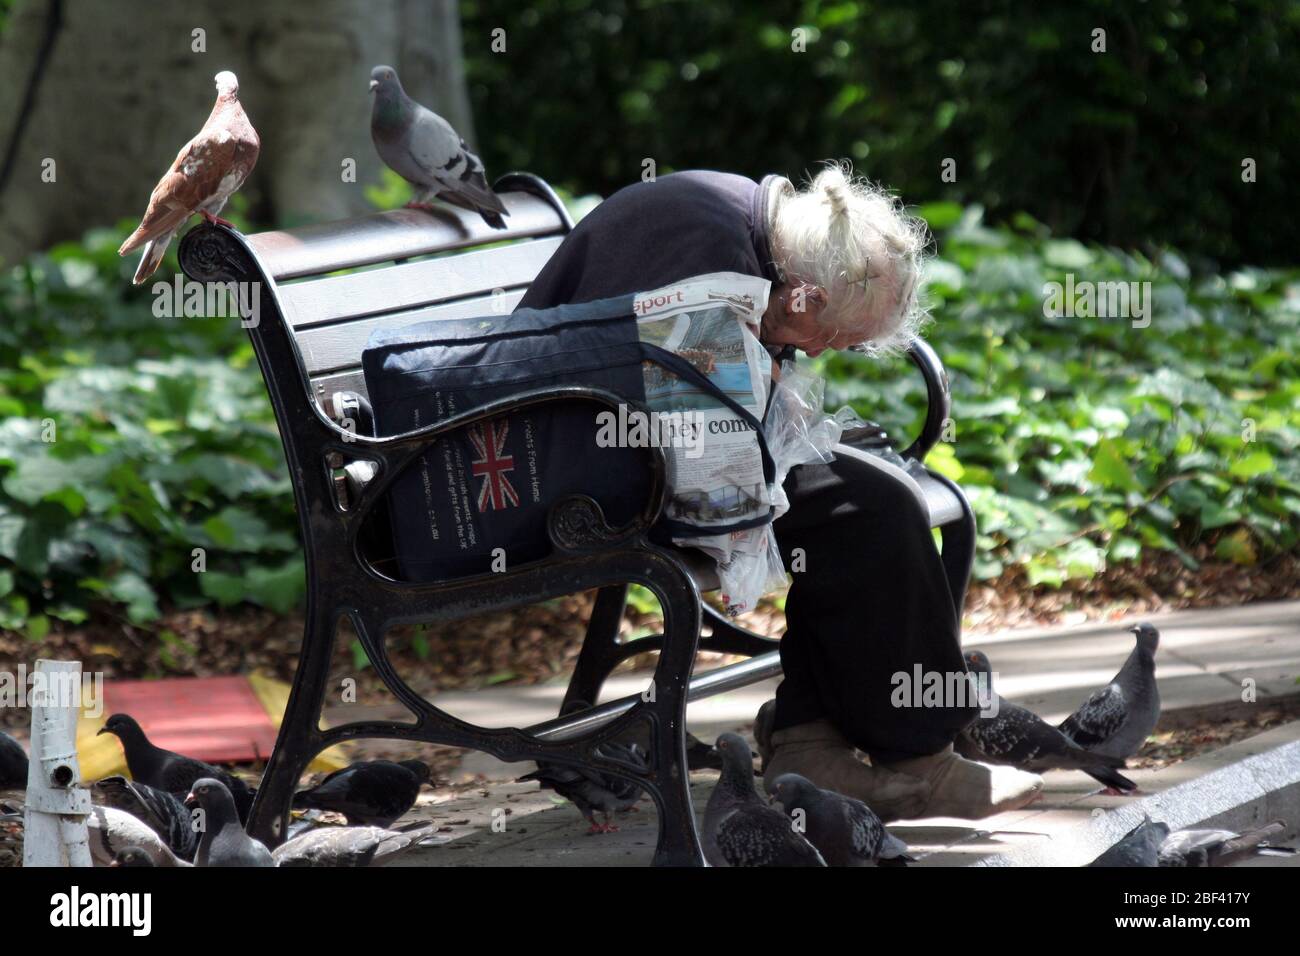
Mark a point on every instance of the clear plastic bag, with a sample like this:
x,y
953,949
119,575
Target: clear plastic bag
x,y
798,432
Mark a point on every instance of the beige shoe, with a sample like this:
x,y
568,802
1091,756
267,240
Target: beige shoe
x,y
818,751
967,789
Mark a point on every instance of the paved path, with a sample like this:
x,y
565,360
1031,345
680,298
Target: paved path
x,y
1203,660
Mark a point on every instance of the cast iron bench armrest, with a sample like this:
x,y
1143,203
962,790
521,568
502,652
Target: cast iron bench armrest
x,y
938,397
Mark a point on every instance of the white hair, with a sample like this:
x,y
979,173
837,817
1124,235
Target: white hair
x,y
854,240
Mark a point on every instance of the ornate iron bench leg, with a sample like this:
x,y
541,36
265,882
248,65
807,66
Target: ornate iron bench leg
x,y
598,656
299,738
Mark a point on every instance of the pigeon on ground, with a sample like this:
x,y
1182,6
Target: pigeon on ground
x,y
595,790
222,840
165,770
207,171
131,856
110,831
13,763
1115,720
1021,738
1220,847
1139,847
422,148
352,846
740,829
845,831
164,814
369,793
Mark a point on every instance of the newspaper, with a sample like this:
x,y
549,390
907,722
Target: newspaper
x,y
715,465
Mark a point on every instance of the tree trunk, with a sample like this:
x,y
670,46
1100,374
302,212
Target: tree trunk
x,y
122,89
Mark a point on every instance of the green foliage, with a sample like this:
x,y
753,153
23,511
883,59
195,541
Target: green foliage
x,y
1082,441
127,442
1144,142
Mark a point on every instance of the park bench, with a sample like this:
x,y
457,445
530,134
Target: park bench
x,y
322,289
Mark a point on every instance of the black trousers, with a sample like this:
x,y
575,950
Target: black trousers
x,y
870,602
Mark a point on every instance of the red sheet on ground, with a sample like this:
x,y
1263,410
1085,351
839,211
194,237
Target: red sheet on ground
x,y
214,719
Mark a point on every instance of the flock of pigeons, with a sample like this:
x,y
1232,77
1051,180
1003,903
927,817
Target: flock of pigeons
x,y
416,143
149,820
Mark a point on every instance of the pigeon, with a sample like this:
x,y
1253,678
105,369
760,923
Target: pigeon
x,y
131,856
352,846
369,793
594,790
1139,847
1021,738
207,171
165,770
1220,847
1115,720
164,814
222,841
845,831
13,763
110,831
422,148
740,829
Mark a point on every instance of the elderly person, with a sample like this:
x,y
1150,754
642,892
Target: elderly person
x,y
872,599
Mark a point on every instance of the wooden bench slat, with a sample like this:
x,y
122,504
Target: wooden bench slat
x,y
339,346
396,234
414,284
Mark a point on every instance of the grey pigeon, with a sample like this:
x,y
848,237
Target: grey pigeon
x,y
222,841
1139,847
352,846
740,829
1115,720
13,763
166,770
1186,848
369,792
845,831
593,791
207,171
131,856
1022,739
422,148
110,831
164,814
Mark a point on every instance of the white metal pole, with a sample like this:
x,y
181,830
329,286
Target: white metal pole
x,y
54,832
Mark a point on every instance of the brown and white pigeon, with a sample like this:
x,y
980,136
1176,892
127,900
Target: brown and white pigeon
x,y
740,829
422,148
1018,737
207,172
1116,719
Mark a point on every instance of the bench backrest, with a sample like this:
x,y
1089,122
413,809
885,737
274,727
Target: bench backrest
x,y
405,266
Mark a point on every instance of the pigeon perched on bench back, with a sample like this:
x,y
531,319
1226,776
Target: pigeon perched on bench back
x,y
369,792
163,812
845,831
207,171
167,770
13,763
222,840
1116,719
1021,738
740,829
422,148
